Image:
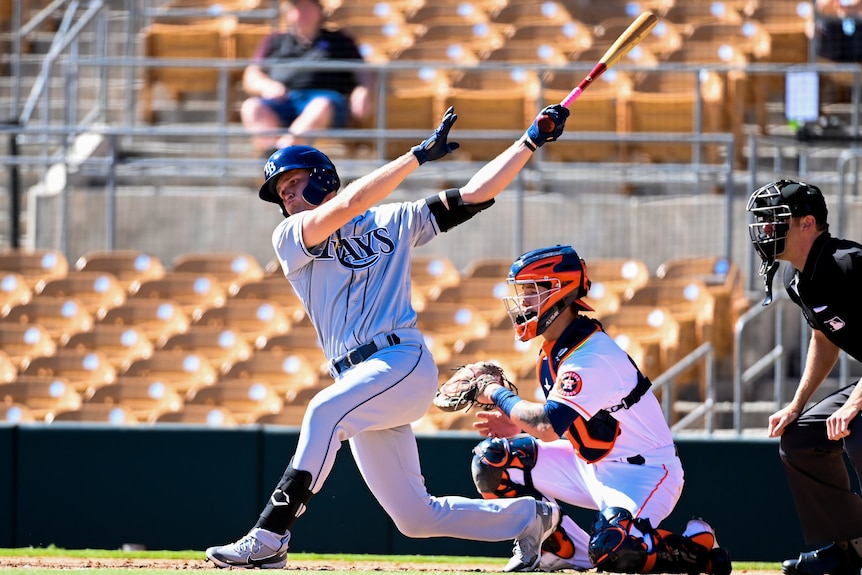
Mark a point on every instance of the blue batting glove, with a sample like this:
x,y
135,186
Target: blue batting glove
x,y
437,146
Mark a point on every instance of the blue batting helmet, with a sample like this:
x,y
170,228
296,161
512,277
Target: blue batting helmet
x,y
324,179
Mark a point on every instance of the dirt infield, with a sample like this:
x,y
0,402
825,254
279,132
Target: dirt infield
x,y
186,565
62,563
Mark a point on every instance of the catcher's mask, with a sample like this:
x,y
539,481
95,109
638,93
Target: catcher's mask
x,y
772,206
545,282
323,181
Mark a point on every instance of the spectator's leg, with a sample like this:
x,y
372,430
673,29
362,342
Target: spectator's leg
x,y
318,114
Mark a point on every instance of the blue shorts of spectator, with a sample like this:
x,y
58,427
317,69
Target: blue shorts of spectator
x,y
291,106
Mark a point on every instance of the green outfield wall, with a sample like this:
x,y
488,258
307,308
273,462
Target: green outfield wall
x,y
184,487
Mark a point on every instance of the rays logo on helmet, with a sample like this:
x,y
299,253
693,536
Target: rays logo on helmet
x,y
570,383
269,169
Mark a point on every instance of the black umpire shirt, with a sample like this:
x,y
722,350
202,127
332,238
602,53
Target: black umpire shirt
x,y
828,291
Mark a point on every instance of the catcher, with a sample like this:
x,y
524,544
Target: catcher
x,y
599,441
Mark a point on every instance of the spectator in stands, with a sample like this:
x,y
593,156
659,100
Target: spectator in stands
x,y
823,278
302,100
838,30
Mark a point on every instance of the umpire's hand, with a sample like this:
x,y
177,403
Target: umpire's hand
x,y
437,146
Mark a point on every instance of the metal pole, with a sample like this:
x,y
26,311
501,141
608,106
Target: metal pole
x,y
15,193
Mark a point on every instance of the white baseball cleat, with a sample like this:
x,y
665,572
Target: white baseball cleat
x,y
260,548
528,548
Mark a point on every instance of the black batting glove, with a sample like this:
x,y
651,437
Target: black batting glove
x,y
547,127
436,146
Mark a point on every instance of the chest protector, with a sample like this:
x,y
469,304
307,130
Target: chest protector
x,y
593,438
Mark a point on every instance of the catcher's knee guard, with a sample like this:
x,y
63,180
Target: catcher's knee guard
x,y
494,456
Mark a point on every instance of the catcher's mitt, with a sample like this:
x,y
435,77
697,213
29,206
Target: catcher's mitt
x,y
462,389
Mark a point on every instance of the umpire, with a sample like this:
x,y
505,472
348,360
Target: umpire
x,y
824,279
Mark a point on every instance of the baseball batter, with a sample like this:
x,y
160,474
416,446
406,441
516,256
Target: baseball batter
x,y
348,259
599,441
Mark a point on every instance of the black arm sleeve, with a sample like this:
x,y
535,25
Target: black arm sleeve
x,y
457,213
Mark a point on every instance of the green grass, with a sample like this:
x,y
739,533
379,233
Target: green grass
x,y
192,555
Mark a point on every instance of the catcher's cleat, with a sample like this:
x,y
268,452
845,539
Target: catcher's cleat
x,y
832,560
251,551
719,562
528,548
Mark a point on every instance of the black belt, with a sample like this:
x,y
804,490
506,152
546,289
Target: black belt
x,y
639,459
359,354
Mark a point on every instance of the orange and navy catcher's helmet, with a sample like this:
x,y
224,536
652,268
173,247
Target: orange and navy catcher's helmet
x,y
545,281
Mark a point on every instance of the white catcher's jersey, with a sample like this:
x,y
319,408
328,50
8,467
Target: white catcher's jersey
x,y
356,284
596,375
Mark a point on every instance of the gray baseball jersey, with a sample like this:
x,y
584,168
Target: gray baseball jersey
x,y
356,285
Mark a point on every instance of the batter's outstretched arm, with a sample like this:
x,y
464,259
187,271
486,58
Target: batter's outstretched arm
x,y
497,174
321,222
373,188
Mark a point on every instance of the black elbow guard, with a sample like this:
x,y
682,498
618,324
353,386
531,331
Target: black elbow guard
x,y
457,213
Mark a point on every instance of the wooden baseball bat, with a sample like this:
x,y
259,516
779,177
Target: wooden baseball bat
x,y
630,38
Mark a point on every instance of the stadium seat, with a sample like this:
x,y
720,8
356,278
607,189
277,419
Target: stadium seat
x,y
616,275
448,322
84,370
592,12
494,268
430,13
58,316
184,370
664,38
97,291
231,269
120,344
247,399
21,342
571,37
156,318
202,40
289,416
500,346
695,14
478,36
724,282
273,289
300,340
347,14
692,306
284,371
206,415
13,291
34,265
98,413
126,265
222,347
510,107
195,293
652,327
146,397
523,13
44,395
16,412
429,272
8,368
383,40
250,318
485,295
